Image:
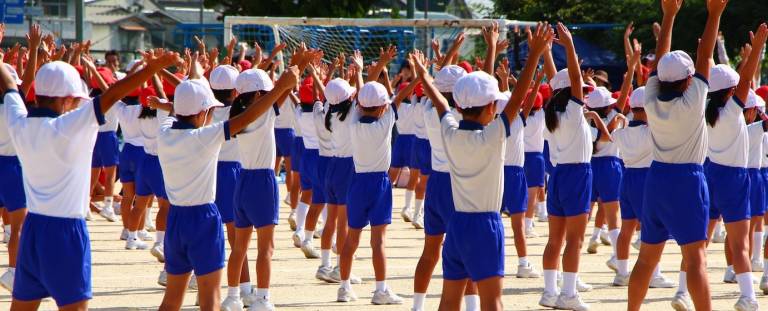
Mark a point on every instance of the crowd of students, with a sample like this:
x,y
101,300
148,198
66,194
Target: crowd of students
x,y
677,148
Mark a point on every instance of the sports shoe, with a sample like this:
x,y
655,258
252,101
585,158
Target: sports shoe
x,y
592,248
319,233
324,274
108,214
530,233
612,264
527,272
719,238
345,295
604,238
541,214
571,303
287,199
157,251
116,208
145,236
88,215
292,220
192,282
162,280
309,250
757,265
746,304
418,221
548,300
261,303
764,284
661,282
149,221
582,287
636,244
297,239
231,304
406,214
133,244
730,275
682,302
620,280
6,280
386,297
335,277
6,236
124,235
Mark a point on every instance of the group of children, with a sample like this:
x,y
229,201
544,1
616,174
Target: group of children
x,y
670,157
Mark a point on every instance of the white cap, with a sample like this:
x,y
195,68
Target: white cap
x,y
133,63
14,74
562,80
59,79
253,80
476,89
637,100
446,78
722,77
338,90
223,77
501,103
675,66
193,96
373,94
600,97
753,100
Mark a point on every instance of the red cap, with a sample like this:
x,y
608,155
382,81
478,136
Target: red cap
x,y
538,102
145,93
305,94
762,92
466,65
419,90
546,91
106,74
135,93
402,87
245,65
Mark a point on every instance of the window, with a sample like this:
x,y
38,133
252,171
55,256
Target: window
x,y
54,8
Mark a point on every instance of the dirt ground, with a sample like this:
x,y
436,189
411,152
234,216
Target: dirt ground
x,y
126,280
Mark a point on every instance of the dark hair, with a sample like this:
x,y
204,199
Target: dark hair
x,y
44,100
671,87
716,100
342,109
473,112
602,112
449,97
185,119
556,104
147,113
242,102
111,53
637,109
369,109
223,96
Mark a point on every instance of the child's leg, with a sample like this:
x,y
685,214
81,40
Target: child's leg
x,y
348,252
575,226
622,244
518,230
453,291
311,221
394,173
551,257
329,228
288,176
162,215
237,257
490,293
277,165
342,229
208,290
294,189
138,210
756,238
695,258
266,245
109,180
430,255
126,204
533,200
16,219
737,241
641,275
303,209
611,215
378,238
711,229
174,291
421,189
25,305
231,238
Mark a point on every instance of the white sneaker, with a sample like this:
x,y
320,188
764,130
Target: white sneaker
x,y
158,252
133,244
386,297
162,280
292,220
145,236
571,303
730,276
149,221
530,233
604,238
344,295
621,280
124,234
261,304
297,239
527,272
582,287
88,215
757,265
192,282
309,250
612,264
116,208
592,248
108,214
231,304
542,215
319,233
746,304
418,221
661,282
682,302
335,277
636,244
764,284
324,274
719,238
548,300
6,280
406,214
287,199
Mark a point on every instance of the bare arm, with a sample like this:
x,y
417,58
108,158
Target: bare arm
x,y
537,44
707,43
95,74
403,94
626,86
261,104
491,36
417,61
751,64
531,98
574,70
664,40
129,83
594,117
385,56
34,38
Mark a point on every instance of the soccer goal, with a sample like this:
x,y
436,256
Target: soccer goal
x,y
336,35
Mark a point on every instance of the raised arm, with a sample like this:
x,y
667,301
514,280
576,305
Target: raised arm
x,y
407,91
627,42
129,83
453,51
103,86
491,37
664,39
605,135
6,81
707,43
574,69
385,56
626,86
722,54
261,104
537,43
34,38
357,63
549,63
751,64
417,62
531,98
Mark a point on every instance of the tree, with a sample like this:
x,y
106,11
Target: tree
x,y
294,8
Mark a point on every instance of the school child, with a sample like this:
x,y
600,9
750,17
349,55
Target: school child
x,y
570,186
421,162
310,154
402,150
753,117
188,148
675,184
369,198
105,158
53,148
297,149
284,138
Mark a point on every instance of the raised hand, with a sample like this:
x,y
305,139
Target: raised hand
x,y
34,37
501,46
760,37
435,46
386,56
491,34
357,59
637,52
716,6
288,79
200,45
502,71
418,62
164,60
277,50
538,42
671,7
630,28
564,36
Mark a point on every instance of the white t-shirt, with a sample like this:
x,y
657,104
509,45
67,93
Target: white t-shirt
x,y
677,124
128,116
229,152
764,163
635,145
728,142
755,154
111,124
419,129
296,125
287,117
55,155
188,157
515,154
149,128
534,132
606,148
372,141
572,140
406,115
435,134
476,160
257,142
6,146
324,138
308,130
341,133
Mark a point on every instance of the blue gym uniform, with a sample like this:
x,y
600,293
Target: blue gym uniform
x,y
607,168
284,129
131,158
422,156
341,166
132,155
325,154
227,170
106,151
728,192
149,178
756,192
515,198
636,150
533,140
284,139
11,184
402,151
438,200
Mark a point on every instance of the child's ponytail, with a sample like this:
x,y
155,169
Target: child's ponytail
x,y
716,100
556,104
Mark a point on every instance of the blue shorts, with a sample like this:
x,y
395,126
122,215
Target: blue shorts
x,y
194,240
676,203
256,199
402,150
438,203
568,193
12,193
764,171
296,152
226,180
308,172
284,139
606,179
728,192
534,169
422,156
54,260
756,192
337,178
632,193
369,200
515,198
474,247
149,178
548,167
130,160
106,151
319,195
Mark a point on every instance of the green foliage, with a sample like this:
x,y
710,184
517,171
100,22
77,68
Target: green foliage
x,y
294,8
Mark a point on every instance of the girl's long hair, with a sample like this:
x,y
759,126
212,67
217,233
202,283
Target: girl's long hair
x,y
556,104
716,100
241,102
341,109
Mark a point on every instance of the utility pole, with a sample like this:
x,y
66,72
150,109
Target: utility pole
x,y
79,20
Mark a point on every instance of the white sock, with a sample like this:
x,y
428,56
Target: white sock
x,y
108,202
657,271
12,269
381,285
418,301
246,287
682,284
757,243
718,228
569,284
160,236
419,207
262,292
301,215
522,261
623,266
542,207
595,234
345,284
309,235
132,235
614,236
338,260
528,223
472,302
7,229
550,282
324,213
233,292
408,198
325,258
745,284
